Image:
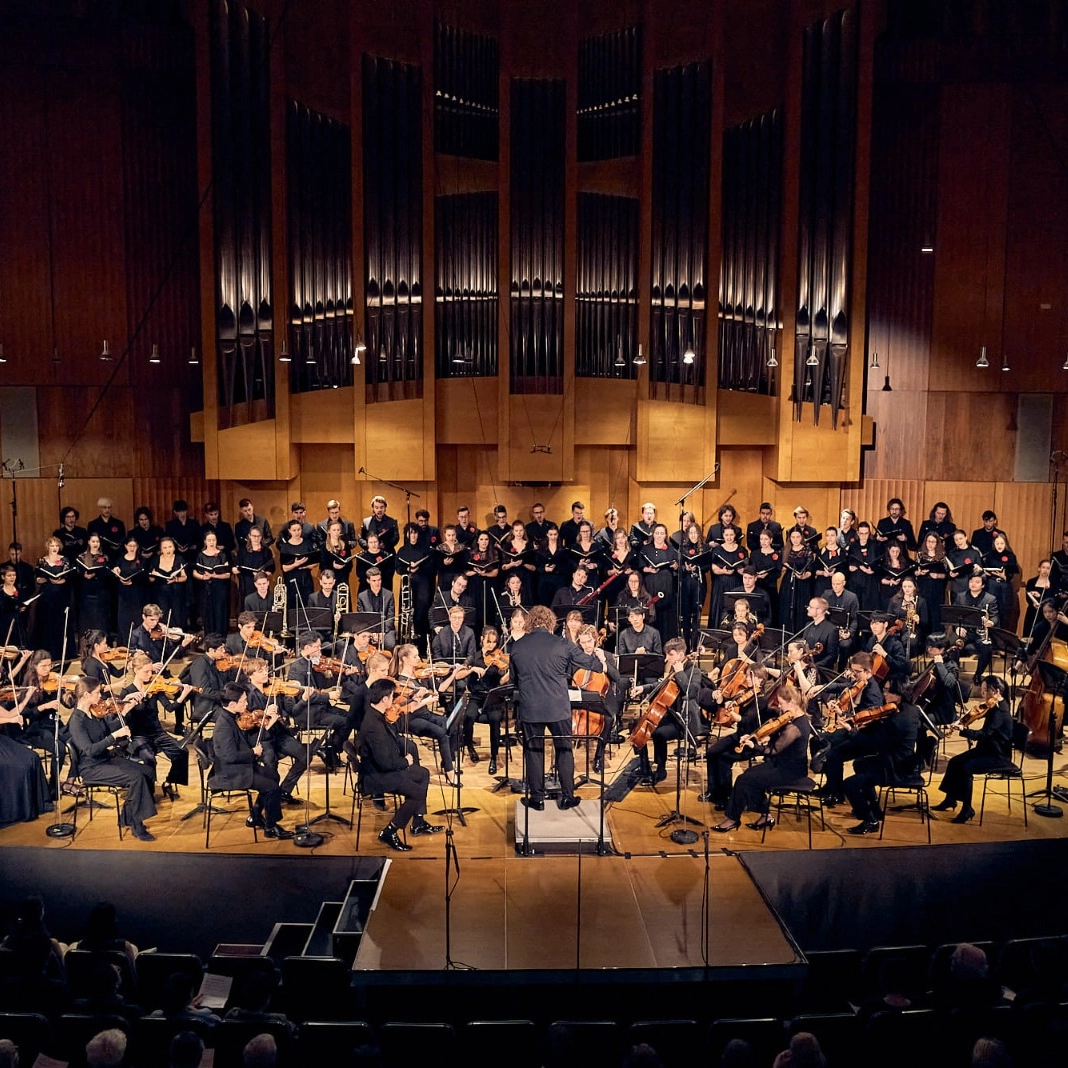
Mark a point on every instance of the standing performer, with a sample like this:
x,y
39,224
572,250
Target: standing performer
x,y
659,562
542,665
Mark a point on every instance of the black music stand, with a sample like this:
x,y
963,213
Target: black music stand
x,y
1005,643
439,616
958,615
713,640
506,696
591,702
1055,680
731,598
647,665
456,716
320,620
363,623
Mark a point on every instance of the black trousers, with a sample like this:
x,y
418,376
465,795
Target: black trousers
x,y
534,757
430,725
269,794
492,716
412,784
956,784
720,760
852,746
278,745
136,778
868,772
145,747
750,790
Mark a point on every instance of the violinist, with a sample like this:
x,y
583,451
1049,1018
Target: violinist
x,y
639,637
1050,617
892,761
168,582
102,760
601,663
785,762
245,641
977,637
993,749
148,738
883,642
154,638
550,565
659,563
374,600
40,709
325,599
418,719
129,572
109,528
377,667
390,764
239,763
274,732
94,589
846,602
94,645
453,596
745,714
313,708
856,691
488,670
684,718
456,642
940,689
253,556
820,634
52,611
203,672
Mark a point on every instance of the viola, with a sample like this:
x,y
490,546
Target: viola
x,y
250,719
259,640
978,712
766,730
113,656
282,688
10,652
54,683
497,658
867,716
109,706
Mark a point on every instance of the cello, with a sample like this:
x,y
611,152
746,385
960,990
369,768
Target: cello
x,y
650,719
1038,703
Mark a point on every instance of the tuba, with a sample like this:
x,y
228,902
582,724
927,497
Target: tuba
x,y
279,604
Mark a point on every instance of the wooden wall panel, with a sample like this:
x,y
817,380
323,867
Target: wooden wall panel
x,y
675,442
159,494
605,411
467,411
1023,510
326,471
976,437
105,448
902,440
967,500
323,417
869,499
397,440
822,500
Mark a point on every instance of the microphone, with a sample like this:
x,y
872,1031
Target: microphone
x,y
60,476
362,471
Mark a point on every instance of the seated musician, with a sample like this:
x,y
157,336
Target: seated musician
x,y
683,720
239,763
238,643
821,635
449,597
595,659
203,673
573,594
908,606
858,689
1050,618
275,733
94,645
376,667
102,760
573,623
484,676
260,600
639,637
837,596
785,762
757,603
993,749
977,638
313,708
390,764
148,738
893,759
151,637
886,644
416,716
378,601
456,642
745,715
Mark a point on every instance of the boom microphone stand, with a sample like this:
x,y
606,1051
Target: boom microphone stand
x,y
58,829
678,575
682,835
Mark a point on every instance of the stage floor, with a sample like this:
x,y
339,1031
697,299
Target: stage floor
x,y
565,914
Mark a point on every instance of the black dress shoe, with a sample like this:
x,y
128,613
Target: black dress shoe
x,y
142,833
944,806
661,773
493,766
865,827
533,804
390,837
289,799
724,828
170,790
254,821
425,828
760,824
277,831
472,754
964,816
568,802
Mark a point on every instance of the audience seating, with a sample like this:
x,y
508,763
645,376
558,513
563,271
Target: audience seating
x,y
324,1042
28,1030
485,1041
913,958
405,1044
154,969
674,1040
81,963
316,988
766,1037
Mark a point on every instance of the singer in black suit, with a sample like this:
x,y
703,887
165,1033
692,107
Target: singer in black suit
x,y
542,665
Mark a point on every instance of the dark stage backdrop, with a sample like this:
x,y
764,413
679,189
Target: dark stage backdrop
x,y
861,898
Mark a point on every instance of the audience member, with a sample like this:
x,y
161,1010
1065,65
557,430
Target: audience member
x,y
803,1052
102,934
105,998
968,985
895,994
260,1052
106,1050
253,1001
642,1056
737,1054
180,1003
185,1051
990,1053
9,1054
35,979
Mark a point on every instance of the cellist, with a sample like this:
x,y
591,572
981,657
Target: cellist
x,y
682,718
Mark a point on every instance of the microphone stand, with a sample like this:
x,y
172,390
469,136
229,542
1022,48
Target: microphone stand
x,y
678,575
58,829
327,814
682,835
408,494
304,837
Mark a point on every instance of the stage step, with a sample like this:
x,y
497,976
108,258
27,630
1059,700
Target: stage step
x,y
320,942
287,940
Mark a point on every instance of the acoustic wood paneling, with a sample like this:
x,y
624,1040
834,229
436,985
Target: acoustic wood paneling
x,y
1024,513
869,500
902,443
975,438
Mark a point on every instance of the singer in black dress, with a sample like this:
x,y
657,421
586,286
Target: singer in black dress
x,y
129,572
212,570
297,557
53,627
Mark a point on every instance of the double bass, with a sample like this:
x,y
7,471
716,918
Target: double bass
x,y
1038,703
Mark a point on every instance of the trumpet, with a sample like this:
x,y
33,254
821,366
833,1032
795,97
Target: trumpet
x,y
278,604
407,618
341,605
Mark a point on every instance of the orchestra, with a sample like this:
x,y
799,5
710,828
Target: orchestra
x,y
488,606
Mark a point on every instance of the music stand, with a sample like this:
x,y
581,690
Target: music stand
x,y
732,597
320,620
364,623
619,616
451,719
648,665
840,617
439,616
272,622
1055,680
1006,643
956,615
713,640
506,696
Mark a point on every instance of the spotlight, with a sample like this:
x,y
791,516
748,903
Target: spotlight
x,y
1064,368
105,352
874,365
640,360
283,356
620,362
3,358
194,359
812,361
982,361
688,356
772,362
1005,363
153,356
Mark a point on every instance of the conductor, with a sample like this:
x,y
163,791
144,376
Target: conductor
x,y
542,665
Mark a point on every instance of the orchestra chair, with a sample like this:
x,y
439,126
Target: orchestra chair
x,y
89,800
1011,771
575,1042
231,1036
316,988
673,1040
804,799
765,1036
838,1033
892,1039
30,1031
911,784
332,1041
358,798
80,964
405,1044
154,969
483,1041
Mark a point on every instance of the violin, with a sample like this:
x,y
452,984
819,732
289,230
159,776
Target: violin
x,y
329,665
425,670
766,730
229,662
259,640
282,688
867,716
10,652
167,687
251,720
111,656
978,712
498,659
55,683
159,632
109,706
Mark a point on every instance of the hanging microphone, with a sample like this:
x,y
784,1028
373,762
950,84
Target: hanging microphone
x,y
60,476
362,471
